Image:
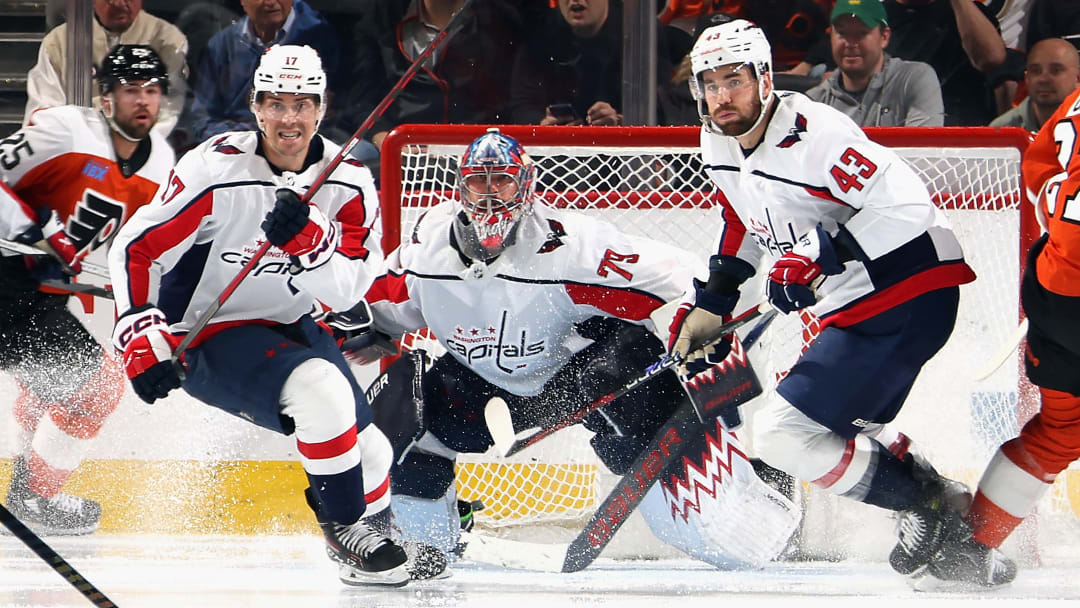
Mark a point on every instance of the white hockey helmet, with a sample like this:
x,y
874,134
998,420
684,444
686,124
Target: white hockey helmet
x,y
735,43
290,68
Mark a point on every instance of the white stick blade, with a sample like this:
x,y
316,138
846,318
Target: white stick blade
x,y
518,555
1005,353
499,424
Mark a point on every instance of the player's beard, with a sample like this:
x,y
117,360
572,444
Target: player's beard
x,y
136,130
743,122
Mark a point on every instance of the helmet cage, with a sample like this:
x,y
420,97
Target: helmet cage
x,y
496,184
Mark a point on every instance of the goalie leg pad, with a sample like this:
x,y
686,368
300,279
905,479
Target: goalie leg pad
x,y
715,508
433,522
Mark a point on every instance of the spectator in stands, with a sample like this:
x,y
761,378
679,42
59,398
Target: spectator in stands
x,y
871,87
958,38
467,81
1053,19
223,79
571,74
115,22
1053,71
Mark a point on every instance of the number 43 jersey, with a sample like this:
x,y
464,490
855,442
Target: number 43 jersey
x,y
64,160
815,166
512,321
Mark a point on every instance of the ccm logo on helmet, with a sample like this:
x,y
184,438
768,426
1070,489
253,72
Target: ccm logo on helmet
x,y
290,76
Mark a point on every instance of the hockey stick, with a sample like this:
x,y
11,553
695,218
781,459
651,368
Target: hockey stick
x,y
226,293
498,416
51,557
20,248
1003,355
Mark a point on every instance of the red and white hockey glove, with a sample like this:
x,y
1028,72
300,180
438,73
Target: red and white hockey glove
x,y
143,336
791,276
51,238
301,230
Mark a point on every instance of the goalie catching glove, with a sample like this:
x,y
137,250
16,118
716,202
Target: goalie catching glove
x,y
143,336
301,230
704,310
791,277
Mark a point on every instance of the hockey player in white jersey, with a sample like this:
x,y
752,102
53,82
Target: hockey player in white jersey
x,y
548,310
262,357
849,233
71,178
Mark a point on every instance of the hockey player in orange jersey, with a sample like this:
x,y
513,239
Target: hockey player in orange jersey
x,y
1023,468
68,180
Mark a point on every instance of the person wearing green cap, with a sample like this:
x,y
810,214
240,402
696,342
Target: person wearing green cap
x,y
870,86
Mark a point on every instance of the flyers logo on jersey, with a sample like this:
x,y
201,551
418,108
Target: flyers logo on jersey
x,y
95,219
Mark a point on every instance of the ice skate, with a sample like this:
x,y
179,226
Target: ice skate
x,y
60,515
970,564
367,556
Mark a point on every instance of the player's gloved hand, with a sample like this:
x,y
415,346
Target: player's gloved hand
x,y
358,340
704,309
50,237
142,335
301,230
791,276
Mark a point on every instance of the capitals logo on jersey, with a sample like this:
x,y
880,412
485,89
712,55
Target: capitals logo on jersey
x,y
793,133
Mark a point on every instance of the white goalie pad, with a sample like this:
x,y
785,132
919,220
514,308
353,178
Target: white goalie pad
x,y
716,509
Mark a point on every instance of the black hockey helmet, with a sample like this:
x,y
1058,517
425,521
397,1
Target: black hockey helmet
x,y
132,62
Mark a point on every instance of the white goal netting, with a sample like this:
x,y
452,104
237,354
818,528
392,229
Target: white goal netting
x,y
649,181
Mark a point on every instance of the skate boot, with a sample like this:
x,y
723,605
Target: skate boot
x,y
365,555
60,515
923,529
969,561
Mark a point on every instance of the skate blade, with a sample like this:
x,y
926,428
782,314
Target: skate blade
x,y
929,583
394,577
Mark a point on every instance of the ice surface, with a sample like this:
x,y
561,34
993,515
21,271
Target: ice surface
x,y
293,572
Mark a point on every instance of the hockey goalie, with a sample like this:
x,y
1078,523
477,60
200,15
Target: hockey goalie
x,y
547,310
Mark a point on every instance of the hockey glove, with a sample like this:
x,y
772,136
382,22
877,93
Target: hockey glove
x,y
705,309
791,276
357,339
51,238
301,230
142,335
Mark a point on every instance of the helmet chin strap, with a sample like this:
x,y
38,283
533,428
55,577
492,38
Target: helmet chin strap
x,y
111,119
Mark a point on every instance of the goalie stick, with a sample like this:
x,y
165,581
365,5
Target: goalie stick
x,y
508,444
51,557
215,306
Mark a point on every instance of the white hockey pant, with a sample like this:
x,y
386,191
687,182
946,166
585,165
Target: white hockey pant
x,y
320,401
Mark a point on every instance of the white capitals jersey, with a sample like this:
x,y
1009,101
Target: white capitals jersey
x,y
180,252
814,165
512,321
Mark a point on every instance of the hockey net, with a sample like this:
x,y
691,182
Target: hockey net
x,y
649,181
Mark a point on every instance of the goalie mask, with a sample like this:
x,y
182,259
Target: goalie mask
x,y
730,46
496,180
290,68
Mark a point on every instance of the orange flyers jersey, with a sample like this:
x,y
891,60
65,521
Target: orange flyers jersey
x,y
64,160
1051,168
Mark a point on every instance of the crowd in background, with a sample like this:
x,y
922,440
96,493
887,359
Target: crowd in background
x,y
558,62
